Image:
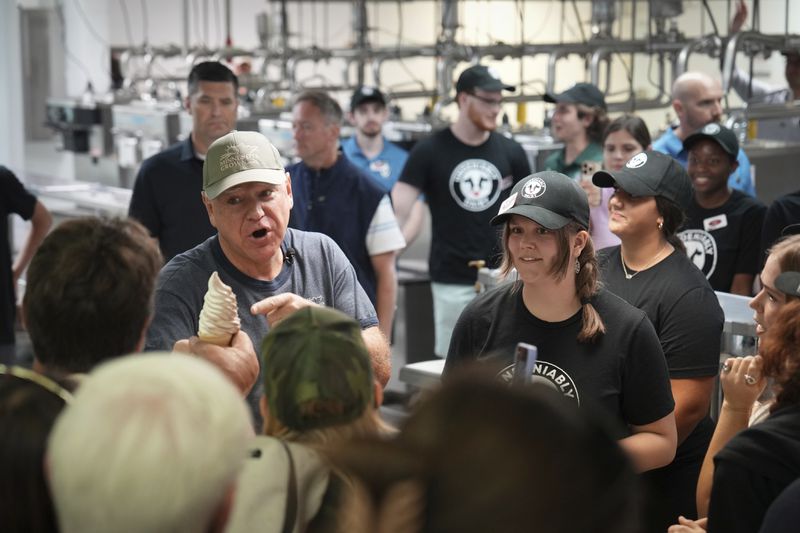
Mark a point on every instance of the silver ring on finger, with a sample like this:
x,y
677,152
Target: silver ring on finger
x,y
726,367
750,380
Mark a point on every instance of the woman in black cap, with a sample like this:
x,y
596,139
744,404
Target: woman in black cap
x,y
650,270
592,346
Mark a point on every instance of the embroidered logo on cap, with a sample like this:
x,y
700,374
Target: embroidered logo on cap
x,y
367,91
711,129
493,73
637,161
239,156
534,188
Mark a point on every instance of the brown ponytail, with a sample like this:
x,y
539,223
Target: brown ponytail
x,y
586,285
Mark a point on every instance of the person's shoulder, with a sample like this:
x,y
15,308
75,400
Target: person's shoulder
x,y
7,174
605,255
293,168
498,296
746,202
742,158
308,240
394,149
667,142
170,154
431,142
9,181
185,267
366,183
777,437
612,307
683,281
552,160
350,145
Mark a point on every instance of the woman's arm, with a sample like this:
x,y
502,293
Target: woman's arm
x,y
652,445
692,403
734,416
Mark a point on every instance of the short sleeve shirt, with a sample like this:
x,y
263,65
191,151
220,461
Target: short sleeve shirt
x,y
464,187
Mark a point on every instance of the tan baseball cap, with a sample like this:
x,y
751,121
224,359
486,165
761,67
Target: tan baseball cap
x,y
241,157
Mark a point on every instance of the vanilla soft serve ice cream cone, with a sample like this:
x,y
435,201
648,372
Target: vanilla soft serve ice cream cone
x,y
219,318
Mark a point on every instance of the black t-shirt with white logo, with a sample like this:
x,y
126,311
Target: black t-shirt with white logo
x,y
464,186
724,241
622,373
688,319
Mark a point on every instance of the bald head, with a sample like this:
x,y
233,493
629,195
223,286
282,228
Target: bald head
x,y
697,100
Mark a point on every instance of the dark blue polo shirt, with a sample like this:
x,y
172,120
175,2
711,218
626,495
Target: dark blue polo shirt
x,y
340,202
166,199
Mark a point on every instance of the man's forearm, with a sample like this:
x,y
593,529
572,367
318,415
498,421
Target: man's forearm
x,y
379,353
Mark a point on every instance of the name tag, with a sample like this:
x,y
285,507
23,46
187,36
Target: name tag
x,y
717,222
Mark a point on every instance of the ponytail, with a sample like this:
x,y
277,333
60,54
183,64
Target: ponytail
x,y
586,286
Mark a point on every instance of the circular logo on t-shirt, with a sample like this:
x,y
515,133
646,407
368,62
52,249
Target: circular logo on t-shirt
x,y
546,374
475,184
701,248
711,129
534,188
637,160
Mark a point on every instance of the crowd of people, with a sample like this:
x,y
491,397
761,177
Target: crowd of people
x,y
129,421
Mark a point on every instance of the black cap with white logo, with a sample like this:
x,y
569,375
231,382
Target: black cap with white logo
x,y
366,93
549,198
788,283
719,134
650,174
481,77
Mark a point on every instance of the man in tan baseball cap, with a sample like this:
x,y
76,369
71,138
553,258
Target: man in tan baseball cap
x,y
273,270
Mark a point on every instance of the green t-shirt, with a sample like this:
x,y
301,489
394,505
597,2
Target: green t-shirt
x,y
555,161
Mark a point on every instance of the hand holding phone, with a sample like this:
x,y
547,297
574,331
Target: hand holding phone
x,y
588,168
525,356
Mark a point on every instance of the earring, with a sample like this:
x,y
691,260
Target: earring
x,y
660,224
577,267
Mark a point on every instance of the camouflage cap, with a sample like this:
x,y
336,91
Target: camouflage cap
x,y
317,370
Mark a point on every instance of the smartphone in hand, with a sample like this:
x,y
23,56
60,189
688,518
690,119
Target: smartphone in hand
x,y
588,169
525,356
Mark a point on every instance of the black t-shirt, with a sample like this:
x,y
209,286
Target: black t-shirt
x,y
752,470
622,373
166,200
464,187
724,241
784,513
784,210
13,199
688,321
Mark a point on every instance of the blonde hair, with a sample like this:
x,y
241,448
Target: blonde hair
x,y
369,424
586,280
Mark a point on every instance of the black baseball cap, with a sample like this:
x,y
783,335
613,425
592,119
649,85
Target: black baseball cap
x,y
580,93
788,283
481,77
719,134
549,198
366,93
650,174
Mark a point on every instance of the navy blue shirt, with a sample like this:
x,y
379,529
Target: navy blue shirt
x,y
166,199
340,202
